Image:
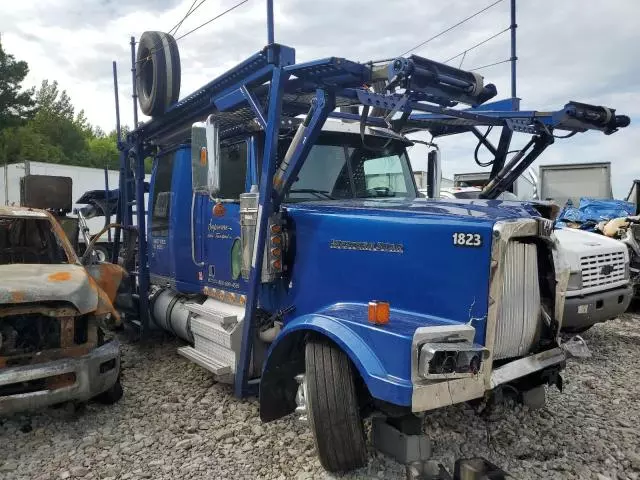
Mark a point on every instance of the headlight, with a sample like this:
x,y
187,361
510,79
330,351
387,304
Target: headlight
x,y
575,281
450,360
626,271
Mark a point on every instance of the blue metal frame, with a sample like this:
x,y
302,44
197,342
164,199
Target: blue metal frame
x,y
278,79
323,105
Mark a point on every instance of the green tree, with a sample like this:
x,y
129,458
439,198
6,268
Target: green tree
x,y
55,120
103,152
49,99
43,125
16,105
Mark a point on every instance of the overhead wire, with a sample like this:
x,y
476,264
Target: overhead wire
x,y
177,25
452,27
490,65
228,10
465,51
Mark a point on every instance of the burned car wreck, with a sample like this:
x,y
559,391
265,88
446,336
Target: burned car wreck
x,y
54,344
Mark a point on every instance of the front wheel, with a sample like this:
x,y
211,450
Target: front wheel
x,y
332,403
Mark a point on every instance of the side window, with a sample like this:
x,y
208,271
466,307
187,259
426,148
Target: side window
x,y
233,170
161,202
385,173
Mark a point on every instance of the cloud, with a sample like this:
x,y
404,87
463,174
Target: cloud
x,y
569,50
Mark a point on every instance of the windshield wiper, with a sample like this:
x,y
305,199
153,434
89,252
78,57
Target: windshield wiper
x,y
317,193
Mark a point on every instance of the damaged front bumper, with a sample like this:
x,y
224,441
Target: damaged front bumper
x,y
436,394
71,379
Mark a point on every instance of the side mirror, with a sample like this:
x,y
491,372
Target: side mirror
x,y
434,174
213,155
205,156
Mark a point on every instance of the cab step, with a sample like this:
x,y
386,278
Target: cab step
x,y
215,366
211,332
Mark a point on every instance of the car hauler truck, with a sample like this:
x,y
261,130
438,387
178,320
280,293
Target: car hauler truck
x,y
276,248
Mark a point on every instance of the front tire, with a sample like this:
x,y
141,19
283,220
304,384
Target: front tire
x,y
332,403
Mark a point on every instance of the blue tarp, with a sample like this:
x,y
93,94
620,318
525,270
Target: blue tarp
x,y
593,210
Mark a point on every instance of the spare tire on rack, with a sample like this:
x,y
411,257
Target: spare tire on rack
x,y
157,73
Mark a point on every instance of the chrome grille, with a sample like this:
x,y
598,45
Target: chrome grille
x,y
519,316
602,269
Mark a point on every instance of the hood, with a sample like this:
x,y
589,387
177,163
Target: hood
x,y
35,283
586,243
454,209
405,252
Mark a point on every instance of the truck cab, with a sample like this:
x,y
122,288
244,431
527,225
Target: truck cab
x,y
346,276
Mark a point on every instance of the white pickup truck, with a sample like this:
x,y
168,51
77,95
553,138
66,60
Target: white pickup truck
x,y
599,288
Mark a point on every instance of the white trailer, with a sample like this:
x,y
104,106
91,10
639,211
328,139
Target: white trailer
x,y
560,183
83,180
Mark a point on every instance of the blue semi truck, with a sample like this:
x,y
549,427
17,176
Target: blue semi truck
x,y
286,242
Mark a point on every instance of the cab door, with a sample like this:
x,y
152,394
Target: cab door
x,y
219,235
158,218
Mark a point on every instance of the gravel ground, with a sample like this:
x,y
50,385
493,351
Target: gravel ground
x,y
175,422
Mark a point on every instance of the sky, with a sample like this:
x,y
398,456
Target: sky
x,y
582,50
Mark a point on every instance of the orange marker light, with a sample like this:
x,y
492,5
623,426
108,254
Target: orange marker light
x,y
277,264
219,210
379,312
276,252
276,228
276,240
203,156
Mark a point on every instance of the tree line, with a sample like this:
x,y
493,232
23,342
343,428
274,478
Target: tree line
x,y
42,124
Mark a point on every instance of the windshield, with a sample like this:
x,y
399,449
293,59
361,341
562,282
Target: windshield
x,y
340,167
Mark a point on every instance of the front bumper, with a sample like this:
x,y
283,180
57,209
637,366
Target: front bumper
x,y
449,392
94,373
587,310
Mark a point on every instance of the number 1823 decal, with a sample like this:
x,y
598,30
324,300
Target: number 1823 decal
x,y
467,239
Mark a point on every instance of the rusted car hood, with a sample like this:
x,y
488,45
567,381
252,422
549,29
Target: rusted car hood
x,y
34,283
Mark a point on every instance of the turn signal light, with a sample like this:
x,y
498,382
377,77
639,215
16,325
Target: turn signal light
x,y
203,156
379,312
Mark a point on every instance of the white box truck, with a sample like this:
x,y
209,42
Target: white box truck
x,y
559,183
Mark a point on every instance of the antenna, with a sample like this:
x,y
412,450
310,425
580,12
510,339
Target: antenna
x,y
270,35
513,58
115,90
134,95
